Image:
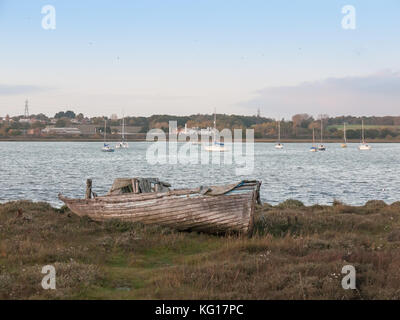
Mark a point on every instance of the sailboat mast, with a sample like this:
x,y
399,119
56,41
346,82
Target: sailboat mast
x,y
123,128
362,131
215,126
321,129
313,137
105,129
215,118
279,131
344,132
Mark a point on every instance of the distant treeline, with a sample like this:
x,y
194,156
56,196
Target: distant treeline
x,y
300,126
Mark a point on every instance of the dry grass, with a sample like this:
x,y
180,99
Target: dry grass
x,y
297,252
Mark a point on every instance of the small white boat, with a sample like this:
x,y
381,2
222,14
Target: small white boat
x,y
123,144
106,147
313,148
363,146
279,145
215,146
321,147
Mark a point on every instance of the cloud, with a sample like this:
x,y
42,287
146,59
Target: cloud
x,y
19,89
375,94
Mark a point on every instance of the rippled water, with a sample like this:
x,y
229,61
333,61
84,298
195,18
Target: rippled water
x,y
40,170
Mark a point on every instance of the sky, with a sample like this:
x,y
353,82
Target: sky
x,y
182,57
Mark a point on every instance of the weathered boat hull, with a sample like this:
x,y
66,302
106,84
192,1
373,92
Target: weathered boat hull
x,y
180,209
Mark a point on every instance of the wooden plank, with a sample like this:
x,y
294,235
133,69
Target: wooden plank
x,y
88,189
191,217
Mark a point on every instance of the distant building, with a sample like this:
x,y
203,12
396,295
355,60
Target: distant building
x,y
129,130
27,120
114,117
194,131
61,131
33,132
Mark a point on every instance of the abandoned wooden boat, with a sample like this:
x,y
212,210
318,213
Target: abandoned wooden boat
x,y
215,209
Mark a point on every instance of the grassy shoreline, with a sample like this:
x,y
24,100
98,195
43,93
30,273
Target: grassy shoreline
x,y
296,252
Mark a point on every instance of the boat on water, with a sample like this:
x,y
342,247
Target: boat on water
x,y
215,146
214,209
313,147
321,147
363,146
344,144
123,144
106,146
279,145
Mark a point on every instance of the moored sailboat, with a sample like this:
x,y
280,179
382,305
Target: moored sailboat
x,y
279,145
215,146
106,146
363,145
344,144
321,147
313,148
123,144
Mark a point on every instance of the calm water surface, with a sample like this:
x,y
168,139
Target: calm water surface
x,y
40,170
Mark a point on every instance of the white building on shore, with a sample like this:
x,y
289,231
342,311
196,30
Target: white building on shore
x,y
61,131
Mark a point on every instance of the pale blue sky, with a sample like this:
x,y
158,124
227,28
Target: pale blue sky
x,y
184,57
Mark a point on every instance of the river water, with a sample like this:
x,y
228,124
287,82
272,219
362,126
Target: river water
x,y
38,171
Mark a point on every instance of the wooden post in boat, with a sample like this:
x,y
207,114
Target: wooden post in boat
x,y
258,187
88,189
135,185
